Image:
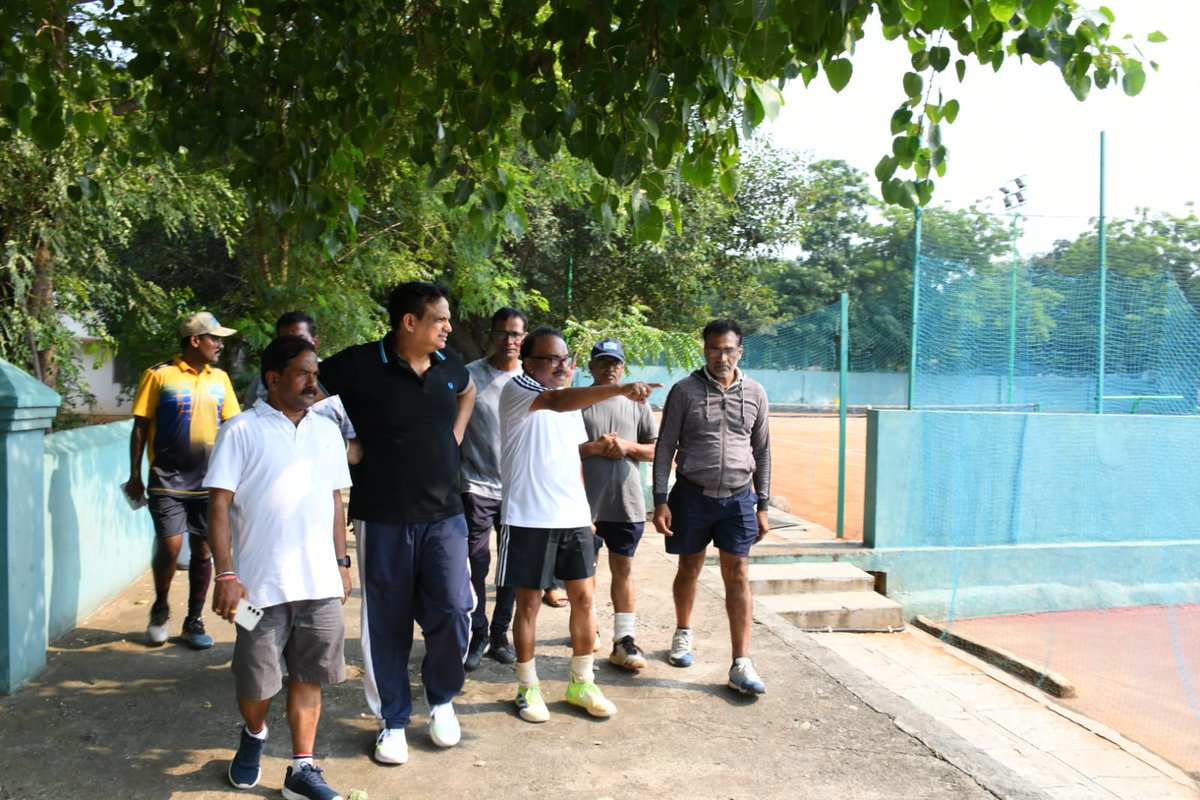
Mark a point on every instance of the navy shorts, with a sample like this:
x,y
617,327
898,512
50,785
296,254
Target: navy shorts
x,y
731,523
621,537
531,558
174,515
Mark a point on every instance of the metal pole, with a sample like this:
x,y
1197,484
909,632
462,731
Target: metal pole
x,y
1012,315
844,366
1102,322
916,308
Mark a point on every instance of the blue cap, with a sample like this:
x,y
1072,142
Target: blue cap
x,y
609,347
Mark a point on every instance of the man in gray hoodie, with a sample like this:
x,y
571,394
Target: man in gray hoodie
x,y
714,427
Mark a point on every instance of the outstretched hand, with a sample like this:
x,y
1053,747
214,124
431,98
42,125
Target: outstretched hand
x,y
639,391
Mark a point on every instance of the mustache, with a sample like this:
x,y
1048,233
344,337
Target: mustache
x,y
309,390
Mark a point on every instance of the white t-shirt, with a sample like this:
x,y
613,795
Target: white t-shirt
x,y
539,461
282,477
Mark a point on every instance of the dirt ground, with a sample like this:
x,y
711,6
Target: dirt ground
x,y
1135,669
804,468
111,717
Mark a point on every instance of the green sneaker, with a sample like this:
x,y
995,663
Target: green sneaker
x,y
588,696
531,705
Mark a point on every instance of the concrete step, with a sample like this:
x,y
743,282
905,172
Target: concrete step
x,y
845,611
807,577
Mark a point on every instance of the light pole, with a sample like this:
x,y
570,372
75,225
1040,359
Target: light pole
x,y
1014,193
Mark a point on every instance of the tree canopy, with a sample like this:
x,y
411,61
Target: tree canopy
x,y
297,96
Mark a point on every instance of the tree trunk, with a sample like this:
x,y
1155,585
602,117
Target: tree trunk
x,y
40,303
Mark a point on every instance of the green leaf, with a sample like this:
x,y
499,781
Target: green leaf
x,y
885,169
920,60
901,119
935,14
1156,36
48,128
950,111
1039,12
729,183
1080,84
838,73
913,84
1133,80
604,154
649,225
1003,10
770,97
960,68
939,57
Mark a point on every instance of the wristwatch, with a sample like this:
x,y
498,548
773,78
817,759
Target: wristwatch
x,y
344,561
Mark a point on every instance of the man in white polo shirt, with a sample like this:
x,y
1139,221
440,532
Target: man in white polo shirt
x,y
547,523
278,537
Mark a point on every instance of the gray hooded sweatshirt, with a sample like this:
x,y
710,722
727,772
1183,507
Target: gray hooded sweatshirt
x,y
717,437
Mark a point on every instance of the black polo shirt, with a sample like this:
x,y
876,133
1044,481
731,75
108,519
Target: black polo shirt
x,y
409,468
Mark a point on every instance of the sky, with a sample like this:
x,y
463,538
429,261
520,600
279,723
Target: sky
x,y
1024,121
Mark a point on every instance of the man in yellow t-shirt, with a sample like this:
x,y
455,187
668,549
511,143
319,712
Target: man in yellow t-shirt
x,y
178,408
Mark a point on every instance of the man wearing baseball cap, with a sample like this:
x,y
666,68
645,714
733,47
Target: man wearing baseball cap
x,y
620,434
177,410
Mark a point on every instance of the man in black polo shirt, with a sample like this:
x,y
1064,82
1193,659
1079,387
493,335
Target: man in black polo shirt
x,y
410,398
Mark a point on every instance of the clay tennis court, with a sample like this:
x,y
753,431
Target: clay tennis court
x,y
1136,670
804,467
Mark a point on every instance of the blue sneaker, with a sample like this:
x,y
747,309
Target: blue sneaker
x,y
245,769
307,784
194,634
744,677
681,648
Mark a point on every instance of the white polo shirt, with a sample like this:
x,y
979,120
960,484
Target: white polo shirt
x,y
539,461
282,477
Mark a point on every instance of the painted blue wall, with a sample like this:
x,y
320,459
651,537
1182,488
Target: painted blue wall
x,y
95,544
973,514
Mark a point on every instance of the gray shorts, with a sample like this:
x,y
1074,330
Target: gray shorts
x,y
531,558
173,514
308,636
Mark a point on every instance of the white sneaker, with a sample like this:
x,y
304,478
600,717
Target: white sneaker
x,y
681,648
531,705
391,747
744,677
159,629
443,725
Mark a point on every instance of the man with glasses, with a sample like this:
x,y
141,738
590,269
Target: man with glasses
x,y
620,433
177,410
547,524
714,428
479,480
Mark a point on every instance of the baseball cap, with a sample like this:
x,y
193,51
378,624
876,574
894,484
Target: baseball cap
x,y
203,322
609,347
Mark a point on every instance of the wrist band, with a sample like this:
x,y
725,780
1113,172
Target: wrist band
x,y
226,576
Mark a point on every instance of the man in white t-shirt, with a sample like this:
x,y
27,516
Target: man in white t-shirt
x,y
278,536
546,526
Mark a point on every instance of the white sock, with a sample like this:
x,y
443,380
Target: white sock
x,y
441,708
261,735
299,761
582,667
527,673
623,624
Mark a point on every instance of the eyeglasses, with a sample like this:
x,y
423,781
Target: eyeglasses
x,y
727,352
554,361
512,336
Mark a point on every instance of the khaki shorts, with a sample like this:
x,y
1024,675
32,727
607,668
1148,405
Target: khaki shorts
x,y
308,636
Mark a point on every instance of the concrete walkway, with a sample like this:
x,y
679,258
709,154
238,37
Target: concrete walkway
x,y
845,717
